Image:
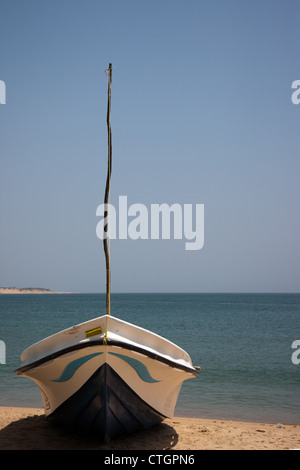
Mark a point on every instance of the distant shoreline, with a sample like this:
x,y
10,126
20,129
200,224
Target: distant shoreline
x,y
28,290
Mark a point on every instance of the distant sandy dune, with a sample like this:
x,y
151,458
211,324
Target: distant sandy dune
x,y
28,290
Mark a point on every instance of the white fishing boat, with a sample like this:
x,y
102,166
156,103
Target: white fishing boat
x,y
106,375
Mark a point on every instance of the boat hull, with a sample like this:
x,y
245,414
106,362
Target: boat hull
x,y
107,376
105,405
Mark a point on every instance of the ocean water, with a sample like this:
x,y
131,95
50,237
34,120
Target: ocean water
x,y
242,342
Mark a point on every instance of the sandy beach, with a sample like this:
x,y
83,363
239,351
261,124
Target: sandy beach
x,y
28,429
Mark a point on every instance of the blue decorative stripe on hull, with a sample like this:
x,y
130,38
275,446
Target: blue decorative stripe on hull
x,y
106,405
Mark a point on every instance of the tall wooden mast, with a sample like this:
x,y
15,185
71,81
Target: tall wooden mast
x,y
106,242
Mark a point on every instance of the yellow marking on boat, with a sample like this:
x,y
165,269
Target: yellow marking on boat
x,y
93,332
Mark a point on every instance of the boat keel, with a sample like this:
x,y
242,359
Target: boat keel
x,y
105,405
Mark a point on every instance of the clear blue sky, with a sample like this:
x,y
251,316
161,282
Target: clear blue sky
x,y
201,114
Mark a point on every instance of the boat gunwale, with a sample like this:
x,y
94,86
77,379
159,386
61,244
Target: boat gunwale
x,y
109,342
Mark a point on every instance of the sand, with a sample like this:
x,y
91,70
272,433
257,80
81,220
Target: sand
x,y
28,429
29,290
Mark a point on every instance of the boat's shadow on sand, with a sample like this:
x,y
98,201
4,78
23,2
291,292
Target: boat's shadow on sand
x,y
38,433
